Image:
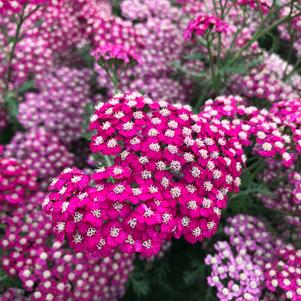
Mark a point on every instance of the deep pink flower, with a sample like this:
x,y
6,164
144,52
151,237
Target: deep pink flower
x,y
202,23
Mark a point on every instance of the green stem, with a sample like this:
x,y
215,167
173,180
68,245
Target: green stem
x,y
15,41
108,161
211,63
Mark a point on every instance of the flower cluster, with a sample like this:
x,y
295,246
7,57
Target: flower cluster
x,y
235,276
282,274
238,269
49,271
269,128
40,150
60,104
202,23
162,41
17,5
17,182
170,176
111,37
265,81
249,233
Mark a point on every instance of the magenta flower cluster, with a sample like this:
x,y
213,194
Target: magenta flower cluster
x,y
202,23
268,128
50,271
170,176
40,150
17,182
283,273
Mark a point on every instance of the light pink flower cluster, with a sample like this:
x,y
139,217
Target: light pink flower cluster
x,y
170,176
49,271
265,81
282,274
40,150
202,23
60,104
251,234
238,267
234,275
17,181
271,129
146,9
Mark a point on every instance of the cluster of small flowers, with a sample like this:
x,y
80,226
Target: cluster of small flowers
x,y
32,56
270,128
111,37
17,182
17,5
49,271
162,42
235,276
60,104
145,9
239,267
40,150
60,27
249,233
265,81
282,274
202,23
170,177
14,294
158,88
234,20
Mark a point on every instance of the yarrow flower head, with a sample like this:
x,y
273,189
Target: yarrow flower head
x,y
238,267
202,23
170,176
283,273
40,150
235,275
60,104
47,270
17,182
269,128
111,37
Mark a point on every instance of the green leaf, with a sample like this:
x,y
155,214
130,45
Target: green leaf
x,y
28,85
12,106
139,283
